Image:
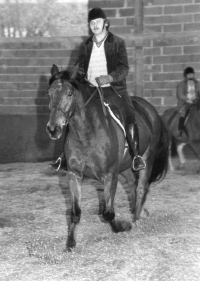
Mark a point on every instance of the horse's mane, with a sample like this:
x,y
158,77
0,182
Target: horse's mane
x,y
66,76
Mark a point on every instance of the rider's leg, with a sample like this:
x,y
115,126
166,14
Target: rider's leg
x,y
181,125
120,98
133,141
182,113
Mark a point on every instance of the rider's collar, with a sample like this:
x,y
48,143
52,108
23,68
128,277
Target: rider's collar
x,y
100,42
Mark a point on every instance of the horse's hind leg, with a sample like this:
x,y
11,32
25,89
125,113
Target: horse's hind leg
x,y
75,184
110,186
131,179
181,155
141,192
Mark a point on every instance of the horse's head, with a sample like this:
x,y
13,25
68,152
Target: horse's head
x,y
62,102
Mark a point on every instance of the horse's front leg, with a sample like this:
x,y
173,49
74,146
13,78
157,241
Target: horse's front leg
x,y
75,184
110,186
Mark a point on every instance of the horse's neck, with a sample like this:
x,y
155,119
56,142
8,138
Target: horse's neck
x,y
88,118
192,124
193,118
84,124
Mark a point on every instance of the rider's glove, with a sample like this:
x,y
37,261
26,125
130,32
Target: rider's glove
x,y
189,101
104,79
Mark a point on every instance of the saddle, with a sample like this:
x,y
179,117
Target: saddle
x,y
112,109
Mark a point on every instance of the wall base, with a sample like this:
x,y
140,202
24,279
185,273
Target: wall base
x,y
23,138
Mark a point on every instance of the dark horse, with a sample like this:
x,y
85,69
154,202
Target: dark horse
x,y
95,147
191,133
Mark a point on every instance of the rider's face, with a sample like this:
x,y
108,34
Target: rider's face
x,y
97,26
190,76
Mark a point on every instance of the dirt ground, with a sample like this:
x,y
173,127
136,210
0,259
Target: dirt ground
x,y
34,205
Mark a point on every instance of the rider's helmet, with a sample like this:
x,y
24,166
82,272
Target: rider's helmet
x,y
96,13
188,70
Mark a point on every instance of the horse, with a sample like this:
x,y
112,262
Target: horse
x,y
95,147
190,135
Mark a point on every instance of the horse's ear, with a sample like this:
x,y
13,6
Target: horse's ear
x,y
74,71
54,69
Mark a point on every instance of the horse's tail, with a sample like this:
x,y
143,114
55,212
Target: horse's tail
x,y
160,164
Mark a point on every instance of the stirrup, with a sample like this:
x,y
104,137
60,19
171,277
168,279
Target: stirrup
x,y
140,165
58,162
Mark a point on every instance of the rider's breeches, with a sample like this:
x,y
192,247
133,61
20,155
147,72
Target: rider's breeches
x,y
183,109
122,102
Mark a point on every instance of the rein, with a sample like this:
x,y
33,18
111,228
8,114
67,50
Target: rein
x,y
101,96
99,90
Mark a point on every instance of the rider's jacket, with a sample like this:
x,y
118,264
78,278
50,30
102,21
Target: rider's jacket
x,y
185,91
116,56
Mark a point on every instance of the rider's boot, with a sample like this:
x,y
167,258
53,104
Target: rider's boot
x,y
180,126
133,137
60,163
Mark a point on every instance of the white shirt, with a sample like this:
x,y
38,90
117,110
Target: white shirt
x,y
191,95
97,64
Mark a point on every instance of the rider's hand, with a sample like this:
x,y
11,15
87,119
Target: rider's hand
x,y
104,79
189,101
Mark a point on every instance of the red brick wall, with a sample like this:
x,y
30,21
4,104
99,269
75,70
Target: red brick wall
x,y
172,42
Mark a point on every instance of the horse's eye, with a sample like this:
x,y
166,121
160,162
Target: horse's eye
x,y
70,94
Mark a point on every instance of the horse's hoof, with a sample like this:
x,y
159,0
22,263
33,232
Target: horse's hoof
x,y
109,216
181,167
145,213
120,226
70,246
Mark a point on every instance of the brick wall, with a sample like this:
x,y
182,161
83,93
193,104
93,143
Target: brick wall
x,y
25,68
162,38
171,43
25,63
24,73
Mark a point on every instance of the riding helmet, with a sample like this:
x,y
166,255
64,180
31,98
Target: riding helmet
x,y
188,70
96,13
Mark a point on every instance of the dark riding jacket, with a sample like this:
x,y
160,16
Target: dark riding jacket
x,y
181,92
116,56
117,66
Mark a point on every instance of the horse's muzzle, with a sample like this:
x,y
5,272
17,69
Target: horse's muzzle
x,y
54,132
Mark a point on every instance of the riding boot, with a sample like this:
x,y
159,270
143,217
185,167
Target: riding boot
x,y
60,163
133,139
180,126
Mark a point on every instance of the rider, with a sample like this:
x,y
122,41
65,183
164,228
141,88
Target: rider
x,y
188,93
103,60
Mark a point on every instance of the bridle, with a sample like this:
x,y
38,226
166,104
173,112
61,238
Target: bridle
x,y
67,115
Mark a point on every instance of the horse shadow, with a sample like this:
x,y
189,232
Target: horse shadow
x,y
40,101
